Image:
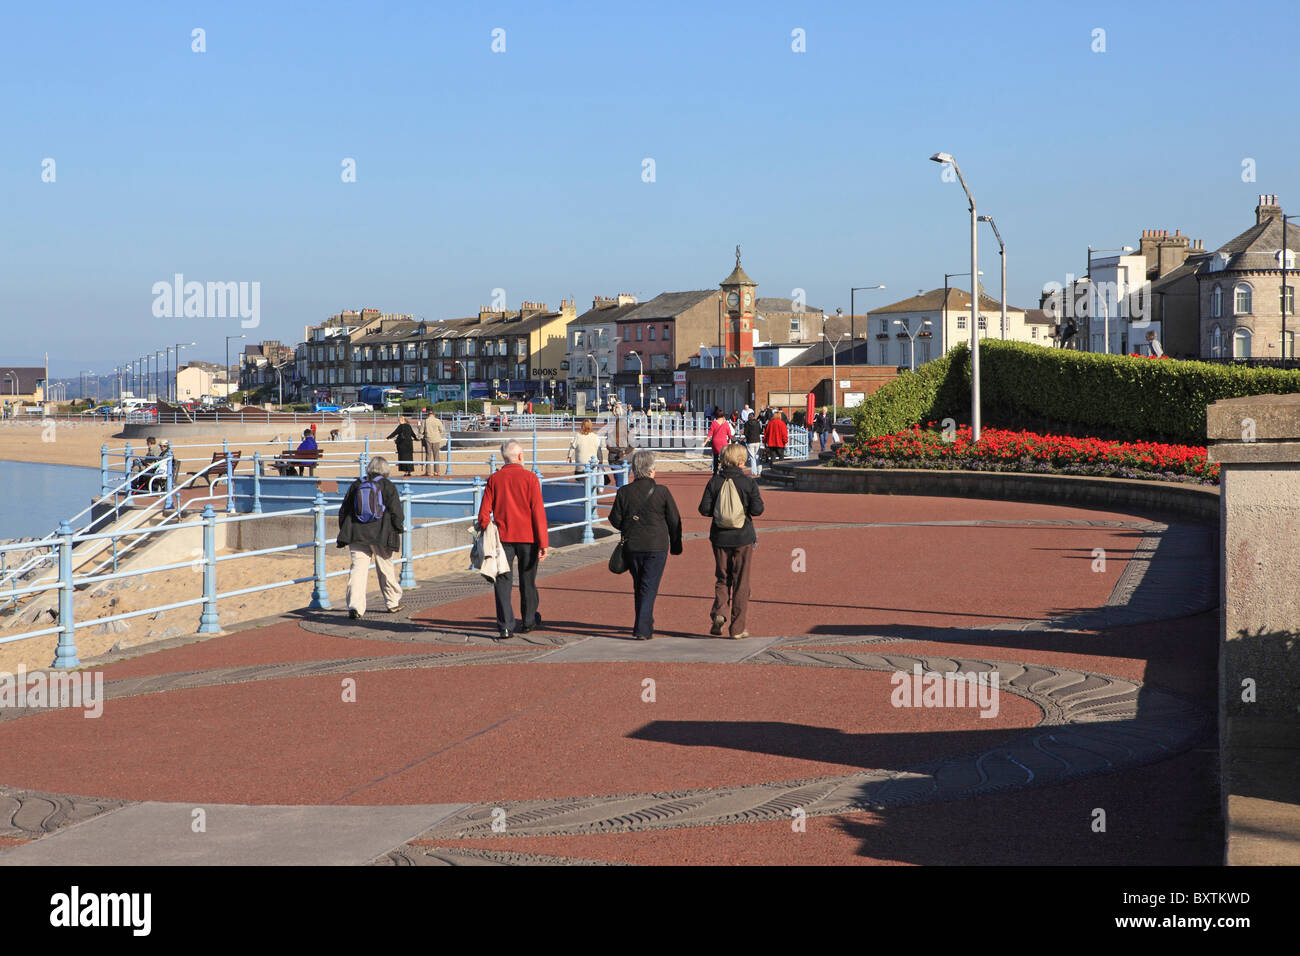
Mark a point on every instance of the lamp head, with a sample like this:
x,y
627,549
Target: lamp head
x,y
985,218
941,158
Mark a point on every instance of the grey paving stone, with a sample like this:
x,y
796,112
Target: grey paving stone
x,y
686,650
160,834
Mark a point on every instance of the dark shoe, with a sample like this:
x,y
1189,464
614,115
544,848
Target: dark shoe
x,y
354,614
504,636
643,637
718,621
522,630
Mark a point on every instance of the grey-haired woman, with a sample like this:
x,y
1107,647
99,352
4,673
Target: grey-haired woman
x,y
647,516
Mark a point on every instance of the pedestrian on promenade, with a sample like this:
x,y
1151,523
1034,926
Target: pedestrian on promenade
x,y
776,436
512,499
370,527
307,444
432,438
403,436
586,445
824,427
731,498
753,442
647,516
719,436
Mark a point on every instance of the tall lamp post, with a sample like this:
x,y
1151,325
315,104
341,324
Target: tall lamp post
x,y
947,158
1104,304
1287,304
228,338
595,368
640,378
1002,253
176,377
943,330
853,312
912,335
158,358
835,381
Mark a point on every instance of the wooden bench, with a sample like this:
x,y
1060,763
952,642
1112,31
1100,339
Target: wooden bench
x,y
295,462
213,472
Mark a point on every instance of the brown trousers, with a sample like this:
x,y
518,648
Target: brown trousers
x,y
731,584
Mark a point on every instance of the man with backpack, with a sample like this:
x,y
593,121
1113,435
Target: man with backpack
x,y
370,526
731,498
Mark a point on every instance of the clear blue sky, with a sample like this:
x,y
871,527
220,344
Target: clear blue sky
x,y
522,170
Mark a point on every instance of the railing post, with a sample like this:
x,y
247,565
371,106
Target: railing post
x,y
478,495
257,482
407,577
65,655
449,430
225,446
230,485
320,598
170,464
492,463
535,444
589,512
103,471
209,622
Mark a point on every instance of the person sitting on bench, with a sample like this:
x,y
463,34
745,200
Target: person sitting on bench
x,y
308,443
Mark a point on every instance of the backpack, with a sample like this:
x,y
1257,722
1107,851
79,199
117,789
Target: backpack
x,y
369,504
728,509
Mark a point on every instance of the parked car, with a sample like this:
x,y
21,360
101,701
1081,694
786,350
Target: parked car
x,y
356,408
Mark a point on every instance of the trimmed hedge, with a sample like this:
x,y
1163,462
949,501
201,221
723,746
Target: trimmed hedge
x,y
1029,386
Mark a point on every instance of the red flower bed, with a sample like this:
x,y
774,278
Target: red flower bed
x,y
1001,450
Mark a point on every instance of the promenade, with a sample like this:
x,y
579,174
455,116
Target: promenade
x,y
416,739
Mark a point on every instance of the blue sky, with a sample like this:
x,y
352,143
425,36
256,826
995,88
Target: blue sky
x,y
522,170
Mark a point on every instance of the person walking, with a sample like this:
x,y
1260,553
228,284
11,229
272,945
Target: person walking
x,y
403,436
647,516
512,499
432,439
370,527
753,442
776,436
586,445
719,436
731,498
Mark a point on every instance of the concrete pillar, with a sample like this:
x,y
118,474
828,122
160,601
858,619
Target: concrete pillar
x,y
1256,443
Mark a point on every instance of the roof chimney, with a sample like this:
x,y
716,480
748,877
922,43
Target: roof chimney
x,y
1268,208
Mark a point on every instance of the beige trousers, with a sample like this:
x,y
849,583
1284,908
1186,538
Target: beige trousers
x,y
360,572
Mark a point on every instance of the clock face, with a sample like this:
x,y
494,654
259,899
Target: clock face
x,y
749,299
733,300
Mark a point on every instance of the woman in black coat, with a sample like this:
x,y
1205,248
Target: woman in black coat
x,y
652,529
404,437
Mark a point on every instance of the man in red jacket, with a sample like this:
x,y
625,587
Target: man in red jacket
x,y
513,500
776,437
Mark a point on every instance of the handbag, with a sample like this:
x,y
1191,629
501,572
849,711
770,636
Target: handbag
x,y
618,557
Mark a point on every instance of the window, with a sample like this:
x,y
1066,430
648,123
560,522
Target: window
x,y
1216,342
1290,258
1290,300
1241,299
410,350
469,346
1033,331
638,333
883,355
984,322
1216,303
925,351
668,329
1241,343
961,322
884,327
577,340
1288,345
650,330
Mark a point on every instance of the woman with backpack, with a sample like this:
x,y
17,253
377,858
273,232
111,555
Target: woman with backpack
x,y
370,526
731,498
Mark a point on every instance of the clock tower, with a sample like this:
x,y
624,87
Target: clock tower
x,y
738,306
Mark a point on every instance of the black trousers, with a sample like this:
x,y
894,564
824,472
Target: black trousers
x,y
525,556
647,569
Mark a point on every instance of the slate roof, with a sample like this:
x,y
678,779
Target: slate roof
x,y
604,314
668,305
777,305
1255,248
932,301
27,375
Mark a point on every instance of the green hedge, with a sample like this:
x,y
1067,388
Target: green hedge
x,y
1107,396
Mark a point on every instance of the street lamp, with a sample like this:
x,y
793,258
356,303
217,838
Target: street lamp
x,y
853,312
176,378
943,331
228,338
1286,353
1002,252
595,367
157,372
1104,306
947,158
912,335
640,378
834,371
